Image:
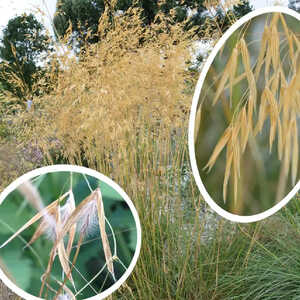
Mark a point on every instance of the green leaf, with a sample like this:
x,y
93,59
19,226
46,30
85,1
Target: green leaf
x,y
121,218
19,268
109,193
133,240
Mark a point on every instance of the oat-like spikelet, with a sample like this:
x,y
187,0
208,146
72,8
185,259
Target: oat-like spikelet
x,y
245,129
288,148
221,85
219,147
229,158
228,74
89,211
233,67
295,156
53,218
49,222
261,56
248,69
273,113
263,113
274,47
198,120
280,140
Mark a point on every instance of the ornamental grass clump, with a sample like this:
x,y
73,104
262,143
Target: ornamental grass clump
x,y
126,115
136,76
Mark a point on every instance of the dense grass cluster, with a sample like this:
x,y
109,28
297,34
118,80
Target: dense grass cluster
x,y
122,108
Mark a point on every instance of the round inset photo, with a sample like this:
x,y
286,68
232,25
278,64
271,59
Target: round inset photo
x,y
66,232
245,119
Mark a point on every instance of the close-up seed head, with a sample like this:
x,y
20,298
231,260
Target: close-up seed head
x,y
269,100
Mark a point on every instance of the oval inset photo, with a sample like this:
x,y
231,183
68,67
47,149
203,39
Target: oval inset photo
x,y
245,119
66,232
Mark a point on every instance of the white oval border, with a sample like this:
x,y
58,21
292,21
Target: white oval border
x,y
90,172
204,193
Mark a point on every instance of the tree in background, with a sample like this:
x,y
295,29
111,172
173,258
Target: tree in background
x,y
23,46
218,19
295,5
242,9
84,15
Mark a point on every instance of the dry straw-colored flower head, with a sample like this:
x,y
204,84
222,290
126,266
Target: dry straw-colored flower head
x,y
277,67
60,221
134,76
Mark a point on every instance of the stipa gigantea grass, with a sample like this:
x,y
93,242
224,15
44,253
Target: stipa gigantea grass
x,y
129,120
105,73
60,220
277,66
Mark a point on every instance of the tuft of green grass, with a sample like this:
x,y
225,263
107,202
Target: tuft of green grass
x,y
273,266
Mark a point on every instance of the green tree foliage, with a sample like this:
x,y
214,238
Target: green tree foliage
x,y
218,20
242,9
295,5
22,47
84,14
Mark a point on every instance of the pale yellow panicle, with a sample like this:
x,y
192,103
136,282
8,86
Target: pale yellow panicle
x,y
295,157
235,181
245,129
104,239
46,212
43,227
219,147
237,156
30,192
274,47
275,81
268,60
62,254
228,74
262,114
274,115
221,86
280,147
287,149
234,60
72,230
229,158
95,196
198,121
248,70
275,19
261,56
250,110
